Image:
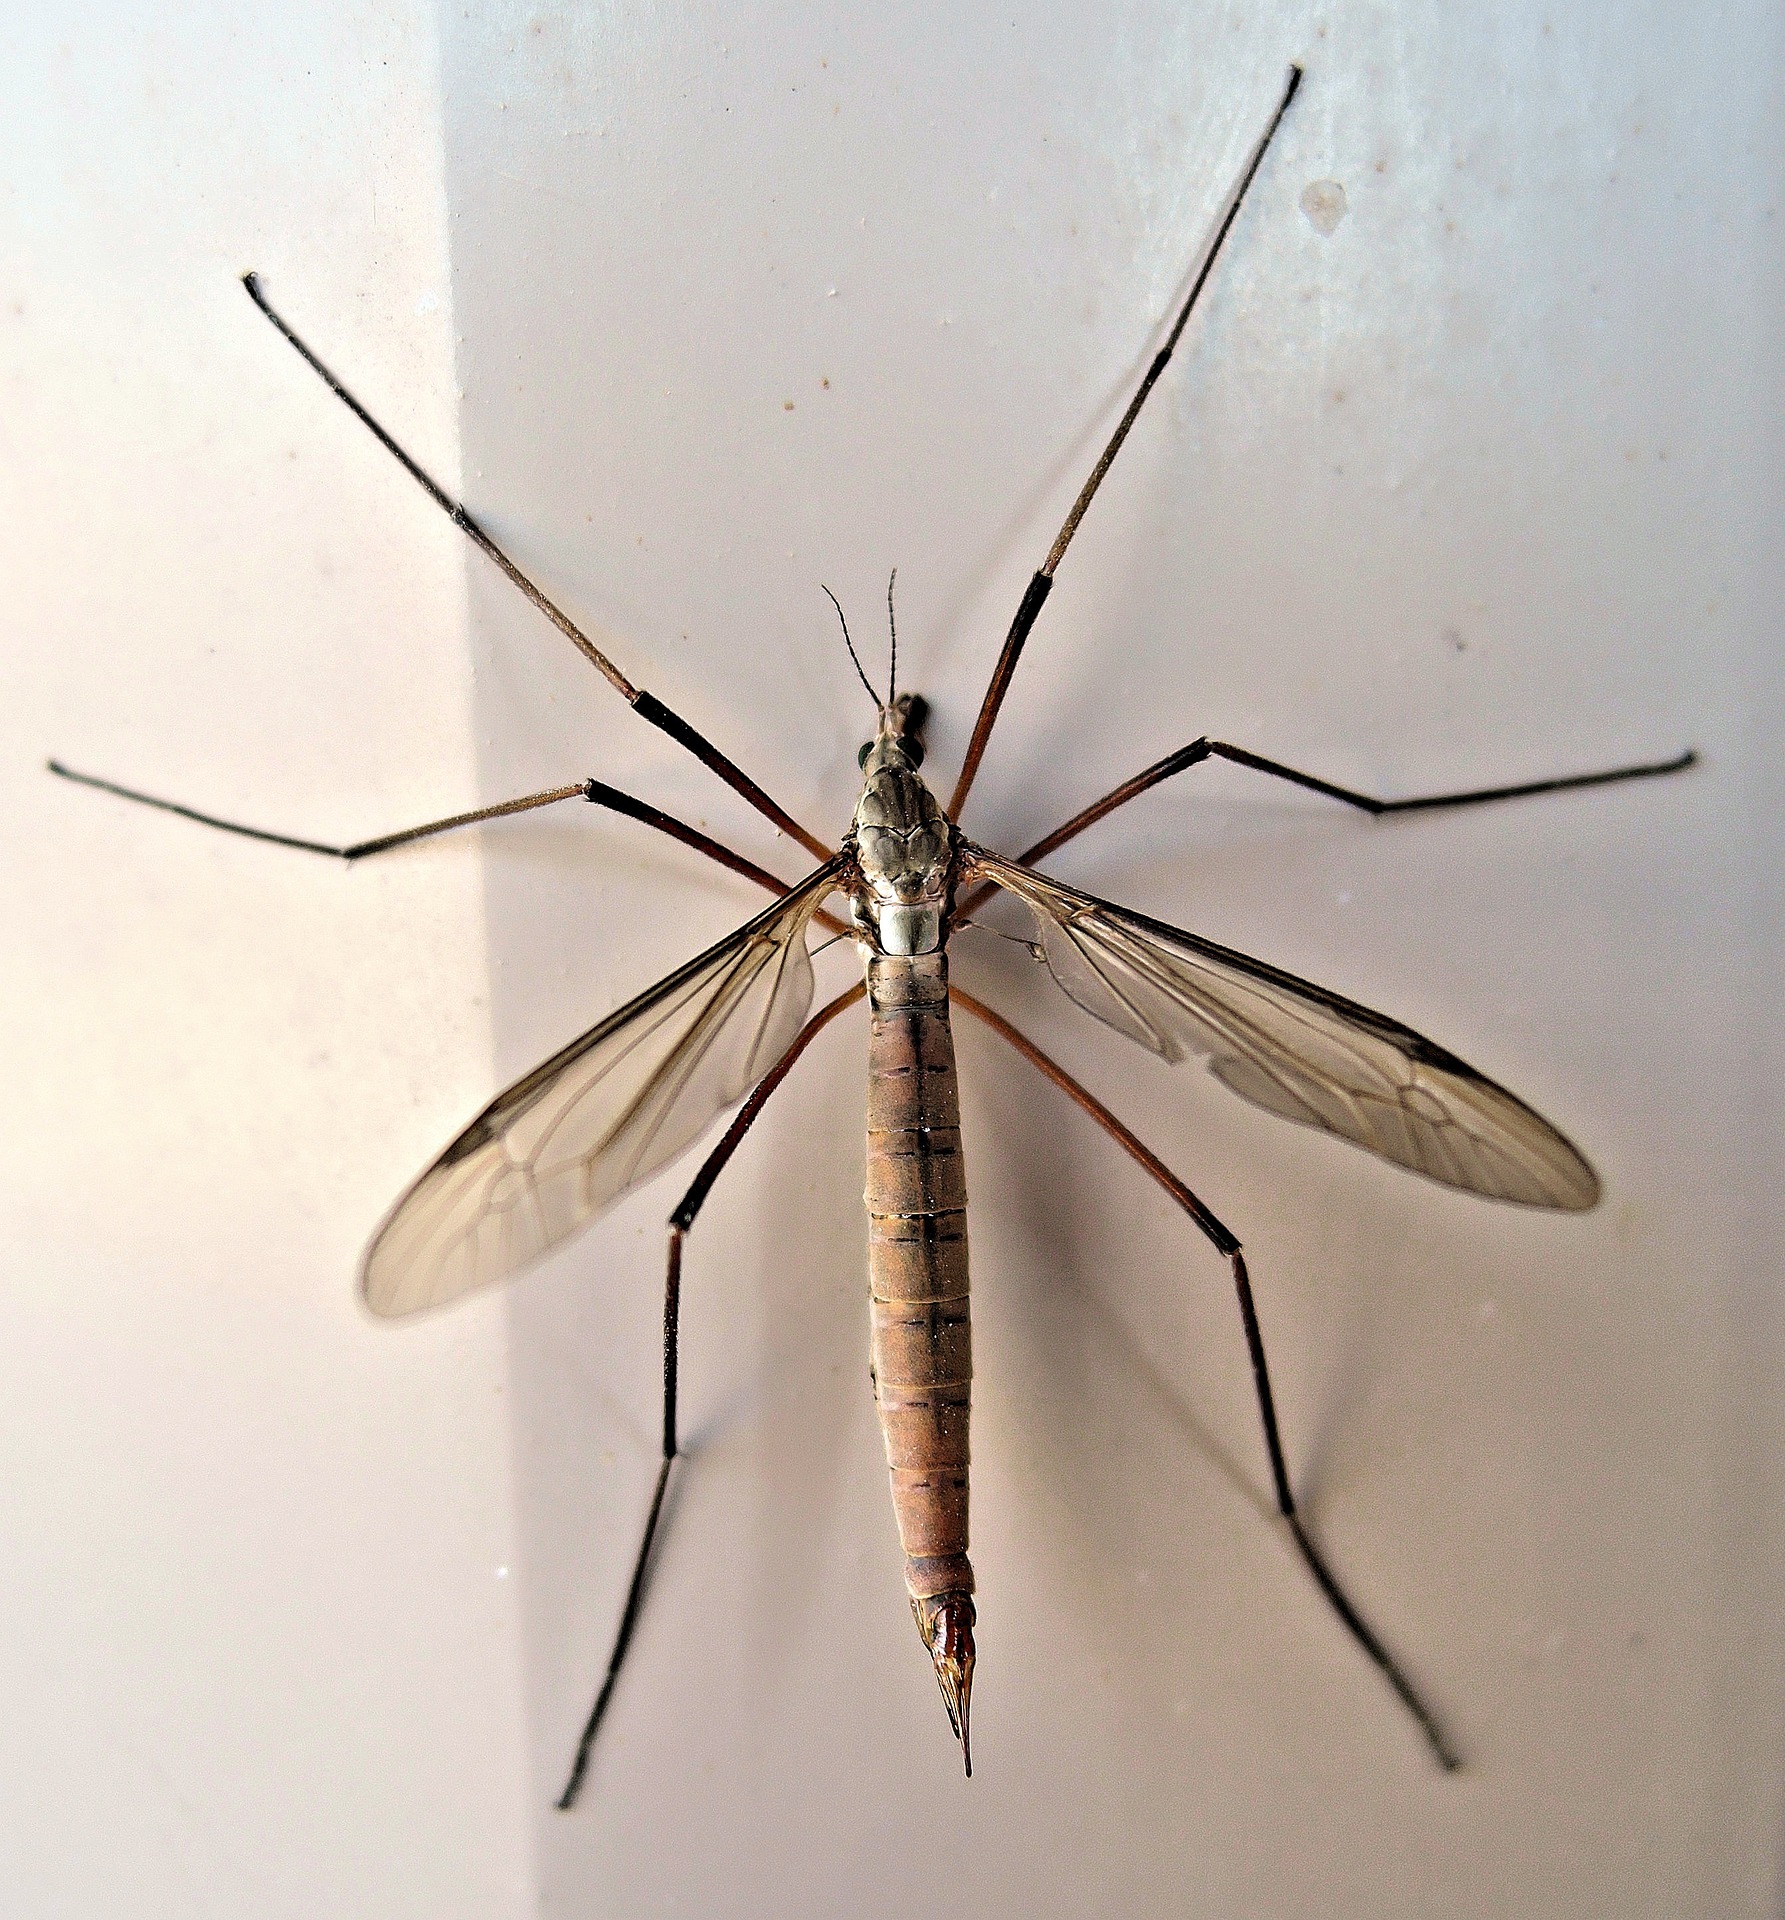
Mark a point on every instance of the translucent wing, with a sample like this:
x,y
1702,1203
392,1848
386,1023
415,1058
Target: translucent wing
x,y
544,1158
1297,1050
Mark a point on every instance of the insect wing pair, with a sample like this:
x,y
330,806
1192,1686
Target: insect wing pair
x,y
620,1103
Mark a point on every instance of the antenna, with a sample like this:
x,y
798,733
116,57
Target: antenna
x,y
850,644
892,689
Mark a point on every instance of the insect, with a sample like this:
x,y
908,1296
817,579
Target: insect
x,y
619,1104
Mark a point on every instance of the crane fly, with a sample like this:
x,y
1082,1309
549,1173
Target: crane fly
x,y
633,1094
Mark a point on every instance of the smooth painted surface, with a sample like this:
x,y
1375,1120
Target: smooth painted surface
x,y
1478,482
1469,472
256,1646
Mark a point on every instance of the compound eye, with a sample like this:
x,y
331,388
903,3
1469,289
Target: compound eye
x,y
913,751
861,759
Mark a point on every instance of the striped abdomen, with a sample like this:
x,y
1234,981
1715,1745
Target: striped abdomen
x,y
917,1271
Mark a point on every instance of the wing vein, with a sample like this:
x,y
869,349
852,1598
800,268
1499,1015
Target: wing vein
x,y
602,1114
1297,1049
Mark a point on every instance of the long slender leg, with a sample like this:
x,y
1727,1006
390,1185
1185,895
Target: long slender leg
x,y
679,1224
1227,1245
1205,749
358,849
646,705
598,792
1042,584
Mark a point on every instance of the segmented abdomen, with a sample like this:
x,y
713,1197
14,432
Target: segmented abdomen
x,y
917,1266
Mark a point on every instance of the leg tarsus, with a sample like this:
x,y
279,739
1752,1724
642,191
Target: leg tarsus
x,y
1325,1579
1361,1631
1429,802
635,1595
635,1592
356,850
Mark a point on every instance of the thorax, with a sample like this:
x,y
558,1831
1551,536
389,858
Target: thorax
x,y
904,858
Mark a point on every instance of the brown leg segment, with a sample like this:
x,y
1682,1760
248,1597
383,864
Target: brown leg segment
x,y
1225,1243
354,850
597,792
1035,596
1205,749
646,705
681,1220
679,1223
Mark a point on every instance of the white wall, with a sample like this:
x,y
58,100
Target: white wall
x,y
255,1657
1483,485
